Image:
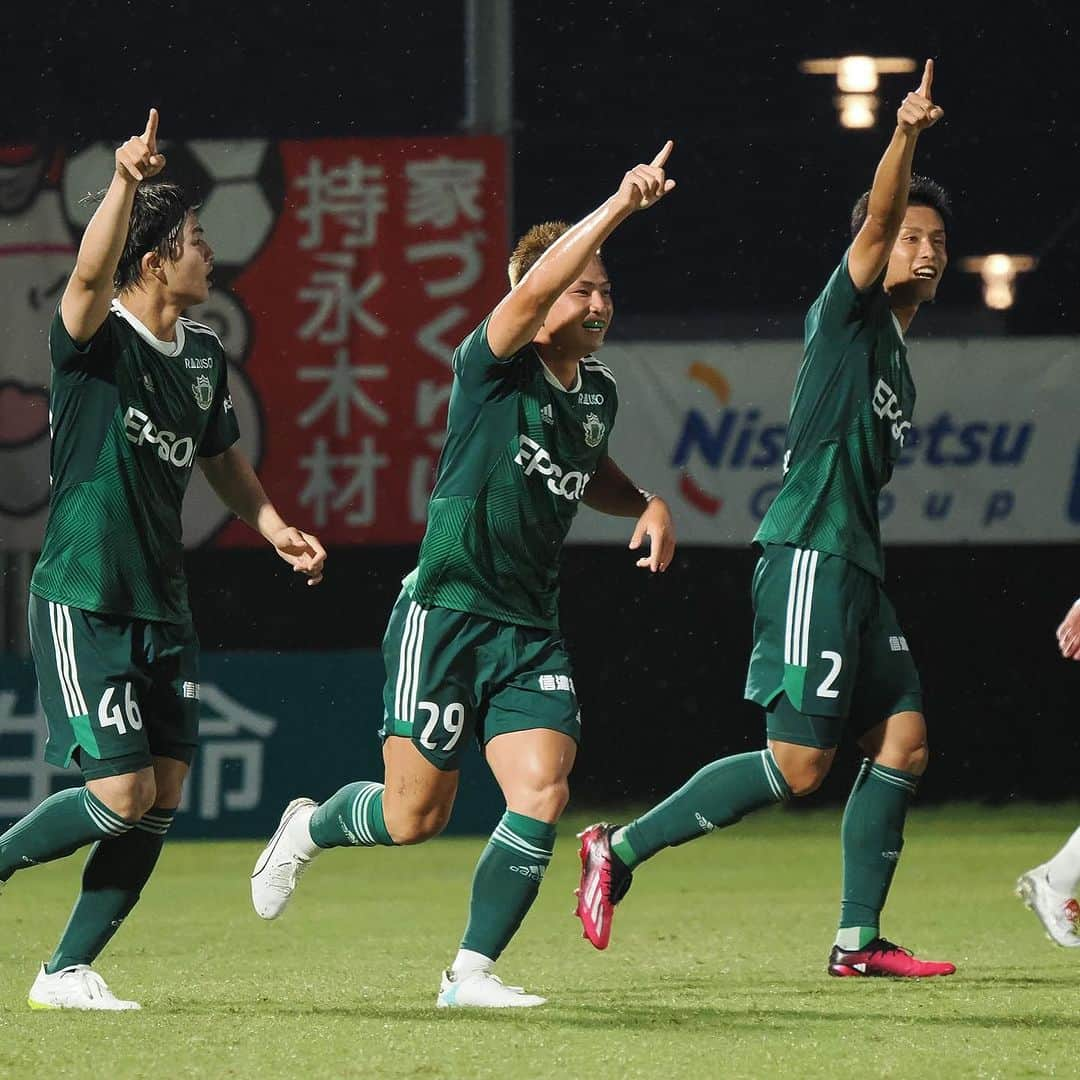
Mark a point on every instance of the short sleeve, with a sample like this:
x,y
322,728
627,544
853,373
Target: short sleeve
x,y
840,304
67,355
222,429
477,368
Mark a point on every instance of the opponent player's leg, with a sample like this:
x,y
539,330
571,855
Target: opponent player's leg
x,y
1050,891
428,717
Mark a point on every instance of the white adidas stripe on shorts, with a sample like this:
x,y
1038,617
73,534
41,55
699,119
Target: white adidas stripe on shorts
x,y
800,601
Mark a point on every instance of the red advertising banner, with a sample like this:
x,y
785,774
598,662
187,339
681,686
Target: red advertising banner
x,y
386,254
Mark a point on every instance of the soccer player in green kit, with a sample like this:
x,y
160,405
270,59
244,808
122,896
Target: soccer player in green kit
x,y
828,653
138,394
473,643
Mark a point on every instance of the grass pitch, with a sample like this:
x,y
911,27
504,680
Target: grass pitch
x,y
716,967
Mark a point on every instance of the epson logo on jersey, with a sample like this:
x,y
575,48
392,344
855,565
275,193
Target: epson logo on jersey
x,y
198,363
535,459
887,406
139,429
590,399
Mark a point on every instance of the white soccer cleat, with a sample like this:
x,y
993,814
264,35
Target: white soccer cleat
x,y
482,990
76,987
283,860
1059,913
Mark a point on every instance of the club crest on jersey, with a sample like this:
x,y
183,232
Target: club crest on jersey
x,y
594,429
203,389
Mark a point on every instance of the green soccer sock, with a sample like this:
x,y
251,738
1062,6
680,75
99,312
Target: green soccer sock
x,y
113,878
61,824
506,882
351,816
715,796
872,837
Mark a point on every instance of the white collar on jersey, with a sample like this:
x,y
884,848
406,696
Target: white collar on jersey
x,y
166,348
899,328
555,382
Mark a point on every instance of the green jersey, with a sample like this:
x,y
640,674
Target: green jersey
x,y
852,405
128,414
520,450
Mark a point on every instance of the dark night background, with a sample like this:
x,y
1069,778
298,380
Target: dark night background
x,y
766,179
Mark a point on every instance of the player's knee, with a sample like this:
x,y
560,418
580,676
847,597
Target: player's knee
x,y
542,801
129,797
910,757
417,826
805,780
804,768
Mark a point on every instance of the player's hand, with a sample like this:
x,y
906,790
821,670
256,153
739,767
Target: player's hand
x,y
301,551
645,185
1068,633
918,111
138,159
656,524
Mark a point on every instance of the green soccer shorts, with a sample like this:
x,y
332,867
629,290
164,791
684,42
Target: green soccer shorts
x,y
450,674
827,639
116,692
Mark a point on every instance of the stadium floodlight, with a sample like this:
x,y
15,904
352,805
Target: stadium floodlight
x,y
998,272
857,80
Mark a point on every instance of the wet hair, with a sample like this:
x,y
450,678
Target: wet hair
x,y
157,222
923,192
531,246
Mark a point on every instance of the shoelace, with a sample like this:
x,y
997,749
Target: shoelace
x,y
284,876
90,982
885,946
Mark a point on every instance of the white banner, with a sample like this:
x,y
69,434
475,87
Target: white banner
x,y
993,455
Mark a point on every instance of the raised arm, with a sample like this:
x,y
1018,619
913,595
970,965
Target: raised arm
x,y
521,312
89,291
888,197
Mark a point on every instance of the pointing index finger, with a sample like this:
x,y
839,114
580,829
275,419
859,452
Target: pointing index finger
x,y
927,80
664,154
150,134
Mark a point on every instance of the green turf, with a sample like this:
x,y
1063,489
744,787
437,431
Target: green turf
x,y
716,967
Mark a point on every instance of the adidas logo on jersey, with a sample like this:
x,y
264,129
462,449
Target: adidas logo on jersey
x,y
547,414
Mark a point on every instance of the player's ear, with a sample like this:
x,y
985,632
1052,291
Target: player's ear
x,y
152,265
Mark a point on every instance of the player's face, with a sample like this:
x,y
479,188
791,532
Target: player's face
x,y
918,257
579,319
189,274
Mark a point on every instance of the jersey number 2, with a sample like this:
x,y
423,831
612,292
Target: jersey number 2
x,y
837,661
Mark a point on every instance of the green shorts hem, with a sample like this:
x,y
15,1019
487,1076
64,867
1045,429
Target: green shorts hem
x,y
93,769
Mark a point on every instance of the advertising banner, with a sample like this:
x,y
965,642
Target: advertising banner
x,y
992,456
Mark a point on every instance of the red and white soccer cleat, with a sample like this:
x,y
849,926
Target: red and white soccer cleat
x,y
882,958
1058,912
604,882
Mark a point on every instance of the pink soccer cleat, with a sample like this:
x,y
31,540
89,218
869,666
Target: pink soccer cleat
x,y
604,882
882,958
